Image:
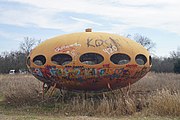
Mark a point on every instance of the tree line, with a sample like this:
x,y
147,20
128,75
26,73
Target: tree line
x,y
16,60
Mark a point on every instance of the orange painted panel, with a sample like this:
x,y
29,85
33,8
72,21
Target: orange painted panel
x,y
89,61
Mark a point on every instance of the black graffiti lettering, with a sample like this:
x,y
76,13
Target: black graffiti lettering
x,y
99,43
110,46
115,43
89,44
106,43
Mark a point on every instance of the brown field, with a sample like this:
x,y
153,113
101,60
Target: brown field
x,y
156,96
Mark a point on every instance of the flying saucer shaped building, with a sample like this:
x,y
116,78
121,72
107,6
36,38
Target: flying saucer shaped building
x,y
89,61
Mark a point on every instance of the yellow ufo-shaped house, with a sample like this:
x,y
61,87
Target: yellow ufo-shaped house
x,y
89,61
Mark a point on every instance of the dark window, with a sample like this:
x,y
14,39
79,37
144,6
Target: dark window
x,y
91,58
61,59
150,60
39,60
120,59
141,59
28,61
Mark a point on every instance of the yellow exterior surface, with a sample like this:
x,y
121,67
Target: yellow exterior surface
x,y
75,44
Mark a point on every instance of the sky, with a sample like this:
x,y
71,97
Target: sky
x,y
159,20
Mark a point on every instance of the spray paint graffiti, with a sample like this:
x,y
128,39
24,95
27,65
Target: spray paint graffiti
x,y
121,73
70,49
80,75
110,45
67,47
110,49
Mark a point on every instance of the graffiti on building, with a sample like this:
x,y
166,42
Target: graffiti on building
x,y
109,46
79,74
70,49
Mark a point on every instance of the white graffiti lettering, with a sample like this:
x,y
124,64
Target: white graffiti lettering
x,y
67,47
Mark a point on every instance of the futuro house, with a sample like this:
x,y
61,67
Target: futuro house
x,y
89,61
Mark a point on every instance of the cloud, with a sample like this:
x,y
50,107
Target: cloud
x,y
12,36
85,21
162,14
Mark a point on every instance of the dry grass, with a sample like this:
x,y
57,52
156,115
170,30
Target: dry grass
x,y
20,89
157,81
44,117
155,94
165,102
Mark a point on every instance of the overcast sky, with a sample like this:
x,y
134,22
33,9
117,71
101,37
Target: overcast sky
x,y
158,20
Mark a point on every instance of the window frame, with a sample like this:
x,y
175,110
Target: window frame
x,y
43,61
144,60
101,60
61,62
116,63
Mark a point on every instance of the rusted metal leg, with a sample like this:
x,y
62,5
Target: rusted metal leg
x,y
128,89
109,86
61,95
43,91
52,91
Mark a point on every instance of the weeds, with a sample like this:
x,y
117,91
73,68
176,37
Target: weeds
x,y
155,94
165,102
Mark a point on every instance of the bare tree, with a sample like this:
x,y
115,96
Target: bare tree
x,y
144,41
27,45
175,54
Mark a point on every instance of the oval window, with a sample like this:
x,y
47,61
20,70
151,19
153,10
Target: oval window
x,y
61,59
28,61
39,60
141,59
150,60
120,59
91,58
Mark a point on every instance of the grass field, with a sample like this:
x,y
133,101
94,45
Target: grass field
x,y
155,97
